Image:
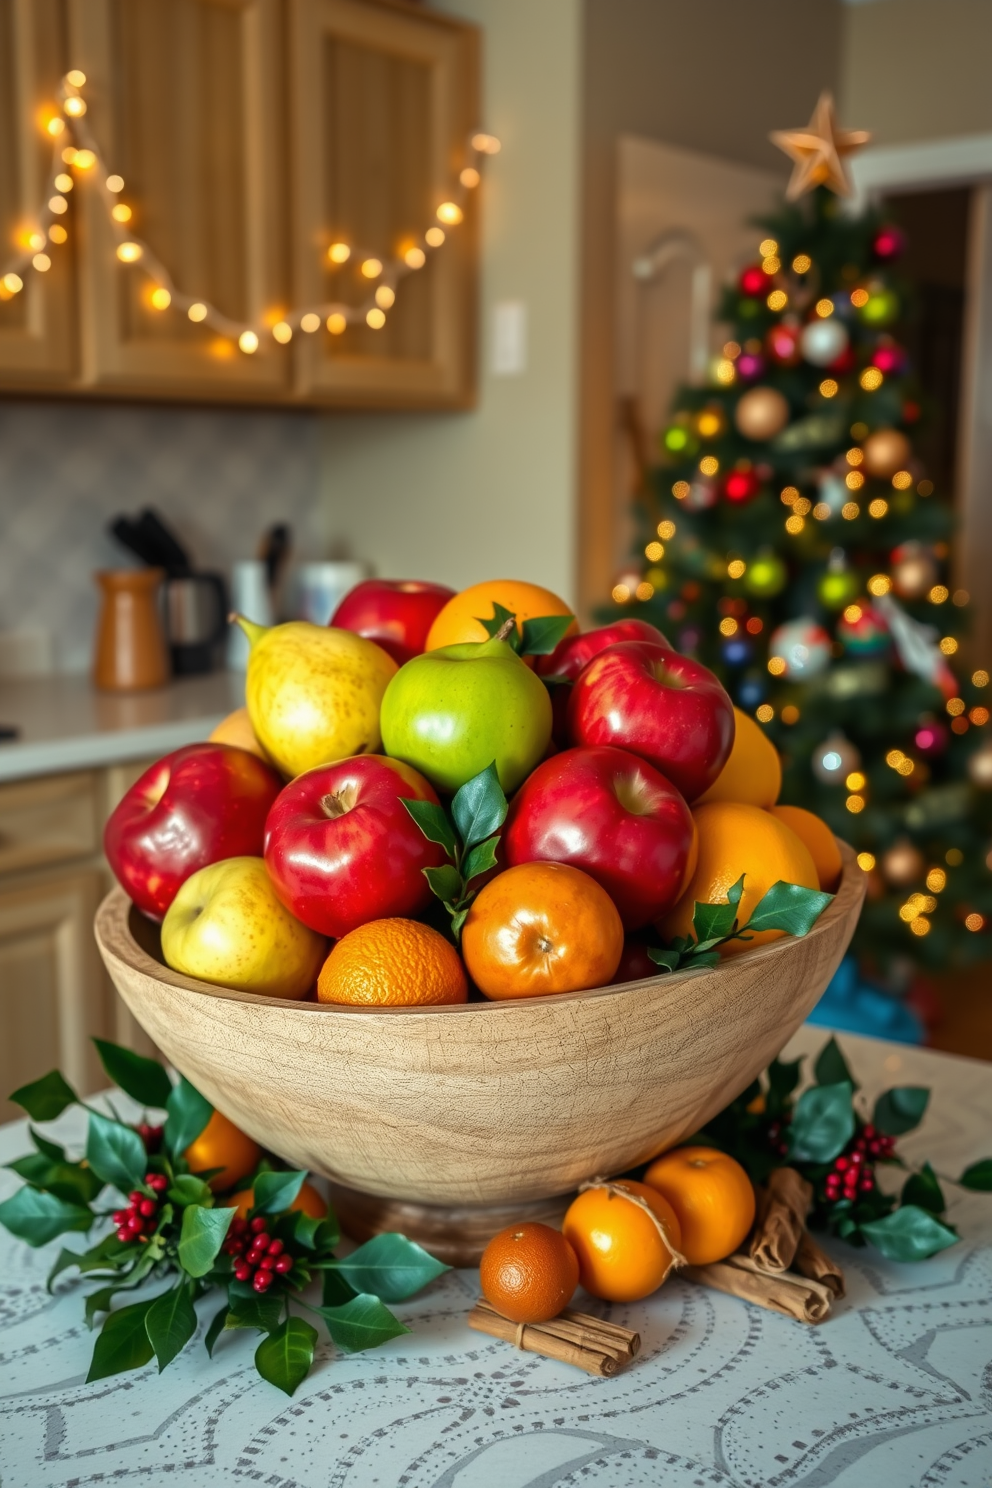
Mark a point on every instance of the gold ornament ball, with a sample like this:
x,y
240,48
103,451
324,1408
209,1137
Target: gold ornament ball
x,y
914,571
761,413
886,451
902,864
980,767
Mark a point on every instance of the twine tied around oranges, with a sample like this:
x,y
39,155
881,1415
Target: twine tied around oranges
x,y
617,1190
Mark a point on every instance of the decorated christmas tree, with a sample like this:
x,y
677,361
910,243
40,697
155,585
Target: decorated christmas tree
x,y
792,540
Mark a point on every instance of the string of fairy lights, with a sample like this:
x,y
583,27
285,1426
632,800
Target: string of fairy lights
x,y
66,120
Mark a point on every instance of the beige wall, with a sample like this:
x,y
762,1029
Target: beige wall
x,y
463,497
917,69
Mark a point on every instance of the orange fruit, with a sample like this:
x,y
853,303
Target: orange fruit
x,y
753,773
236,729
459,620
735,839
624,1253
529,1272
712,1196
223,1145
821,842
393,963
308,1200
541,927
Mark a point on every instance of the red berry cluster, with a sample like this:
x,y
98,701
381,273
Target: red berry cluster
x,y
776,1136
151,1136
138,1220
259,1256
853,1172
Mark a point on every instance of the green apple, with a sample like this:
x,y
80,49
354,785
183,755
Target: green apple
x,y
226,926
451,712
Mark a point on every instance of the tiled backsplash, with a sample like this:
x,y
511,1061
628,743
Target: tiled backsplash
x,y
219,477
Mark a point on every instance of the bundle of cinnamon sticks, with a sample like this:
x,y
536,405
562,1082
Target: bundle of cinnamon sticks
x,y
782,1267
572,1337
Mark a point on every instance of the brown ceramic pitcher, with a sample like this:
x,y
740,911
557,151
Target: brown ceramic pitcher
x,y
131,653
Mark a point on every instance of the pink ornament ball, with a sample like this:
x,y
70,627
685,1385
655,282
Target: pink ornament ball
x,y
889,359
749,366
889,242
931,738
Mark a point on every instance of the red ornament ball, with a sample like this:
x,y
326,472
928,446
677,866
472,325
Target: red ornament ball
x,y
782,345
741,485
931,737
888,242
753,281
889,359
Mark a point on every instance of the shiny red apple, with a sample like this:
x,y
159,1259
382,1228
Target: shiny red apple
x,y
613,815
342,849
194,807
395,613
665,707
575,652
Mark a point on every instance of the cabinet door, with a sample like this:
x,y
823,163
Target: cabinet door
x,y
185,102
383,99
36,324
53,992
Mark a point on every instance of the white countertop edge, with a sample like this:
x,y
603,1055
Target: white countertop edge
x,y
23,761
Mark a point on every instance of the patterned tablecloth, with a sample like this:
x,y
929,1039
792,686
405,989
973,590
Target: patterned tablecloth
x,y
895,1389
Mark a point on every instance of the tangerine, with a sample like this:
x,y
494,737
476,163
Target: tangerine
x,y
733,839
529,1272
461,618
308,1201
393,963
821,842
627,1238
223,1145
712,1196
236,729
539,928
753,772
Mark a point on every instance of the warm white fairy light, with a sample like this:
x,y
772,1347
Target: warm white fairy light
x,y
84,155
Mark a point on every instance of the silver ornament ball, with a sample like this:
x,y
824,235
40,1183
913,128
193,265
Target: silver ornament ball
x,y
823,341
834,759
980,767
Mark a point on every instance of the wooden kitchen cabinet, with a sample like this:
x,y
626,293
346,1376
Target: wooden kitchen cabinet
x,y
250,134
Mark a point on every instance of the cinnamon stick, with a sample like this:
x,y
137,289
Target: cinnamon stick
x,y
572,1338
813,1262
579,1329
797,1297
630,1341
783,1205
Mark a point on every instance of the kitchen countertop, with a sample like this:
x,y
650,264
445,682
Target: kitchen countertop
x,y
64,723
892,1388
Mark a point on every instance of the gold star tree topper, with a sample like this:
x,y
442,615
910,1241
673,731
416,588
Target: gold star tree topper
x,y
819,150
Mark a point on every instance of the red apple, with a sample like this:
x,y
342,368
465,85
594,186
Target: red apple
x,y
635,963
575,652
667,708
614,816
395,613
342,849
193,808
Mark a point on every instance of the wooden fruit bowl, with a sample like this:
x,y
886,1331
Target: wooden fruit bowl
x,y
497,1109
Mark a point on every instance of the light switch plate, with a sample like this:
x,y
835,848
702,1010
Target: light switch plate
x,y
509,338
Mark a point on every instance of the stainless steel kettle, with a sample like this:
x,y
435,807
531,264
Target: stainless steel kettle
x,y
196,621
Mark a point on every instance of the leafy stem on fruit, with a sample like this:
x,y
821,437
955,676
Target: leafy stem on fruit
x,y
469,837
785,906
536,637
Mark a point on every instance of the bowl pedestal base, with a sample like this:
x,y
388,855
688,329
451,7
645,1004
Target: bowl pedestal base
x,y
455,1233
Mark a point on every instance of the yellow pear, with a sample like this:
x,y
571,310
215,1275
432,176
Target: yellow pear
x,y
313,692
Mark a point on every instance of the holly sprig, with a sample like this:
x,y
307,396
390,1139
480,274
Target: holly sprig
x,y
785,906
536,637
173,1228
469,834
828,1133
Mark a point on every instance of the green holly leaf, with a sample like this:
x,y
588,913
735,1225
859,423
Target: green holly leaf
x,y
186,1114
434,824
909,1233
714,922
74,1182
542,634
250,1309
46,1098
285,1356
445,882
319,1235
390,1266
170,1323
216,1328
51,1150
924,1190
116,1153
783,1077
144,1080
274,1192
978,1176
335,1291
831,1067
186,1188
122,1343
99,1301
788,907
201,1237
493,627
361,1323
667,958
37,1217
479,807
900,1110
701,958
481,858
823,1123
